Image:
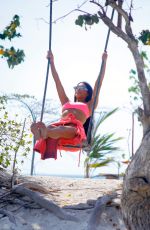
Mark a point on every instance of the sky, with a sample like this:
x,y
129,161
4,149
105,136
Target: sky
x,y
77,54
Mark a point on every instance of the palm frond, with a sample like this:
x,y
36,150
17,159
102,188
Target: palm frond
x,y
102,117
101,145
101,164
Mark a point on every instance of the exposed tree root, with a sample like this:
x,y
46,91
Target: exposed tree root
x,y
98,210
44,203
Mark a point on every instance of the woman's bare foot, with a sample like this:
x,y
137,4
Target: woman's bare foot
x,y
43,131
39,130
36,131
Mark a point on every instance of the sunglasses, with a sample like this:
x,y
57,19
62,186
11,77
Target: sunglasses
x,y
80,88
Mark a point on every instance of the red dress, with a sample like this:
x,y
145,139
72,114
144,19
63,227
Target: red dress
x,y
48,147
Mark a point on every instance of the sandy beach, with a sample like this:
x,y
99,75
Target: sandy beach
x,y
76,198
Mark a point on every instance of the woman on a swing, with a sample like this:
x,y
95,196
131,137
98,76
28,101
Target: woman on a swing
x,y
69,129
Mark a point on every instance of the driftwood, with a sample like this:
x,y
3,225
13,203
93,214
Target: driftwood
x,y
5,178
98,210
34,186
9,214
25,188
44,203
79,207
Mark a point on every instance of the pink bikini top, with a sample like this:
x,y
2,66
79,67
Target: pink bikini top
x,y
77,105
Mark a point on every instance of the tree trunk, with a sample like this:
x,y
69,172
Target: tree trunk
x,y
136,186
136,189
87,173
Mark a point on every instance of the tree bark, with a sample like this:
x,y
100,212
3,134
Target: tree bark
x,y
87,168
135,200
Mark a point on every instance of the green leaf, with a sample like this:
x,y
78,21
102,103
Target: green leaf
x,y
144,55
145,37
88,19
2,36
102,144
95,18
133,71
79,21
101,164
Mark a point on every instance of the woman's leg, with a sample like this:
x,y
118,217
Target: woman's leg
x,y
57,132
67,132
41,131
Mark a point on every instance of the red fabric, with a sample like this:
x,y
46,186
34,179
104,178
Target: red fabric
x,y
48,148
40,146
77,140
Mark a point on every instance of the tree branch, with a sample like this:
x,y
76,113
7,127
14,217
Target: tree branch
x,y
77,9
17,149
100,6
121,13
129,38
119,23
119,10
116,30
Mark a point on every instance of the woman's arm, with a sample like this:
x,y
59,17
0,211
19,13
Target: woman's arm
x,y
60,89
96,94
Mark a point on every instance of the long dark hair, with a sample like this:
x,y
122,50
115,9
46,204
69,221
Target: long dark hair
x,y
88,98
90,91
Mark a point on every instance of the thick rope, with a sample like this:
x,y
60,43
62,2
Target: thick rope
x,y
98,85
48,62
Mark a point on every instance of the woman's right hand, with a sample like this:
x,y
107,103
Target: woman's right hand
x,y
104,56
50,56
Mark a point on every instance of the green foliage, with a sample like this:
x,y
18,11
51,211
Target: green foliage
x,y
12,55
134,89
11,137
145,37
102,118
144,55
101,145
87,19
23,96
105,162
10,30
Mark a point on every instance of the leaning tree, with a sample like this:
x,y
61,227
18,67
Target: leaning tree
x,y
136,186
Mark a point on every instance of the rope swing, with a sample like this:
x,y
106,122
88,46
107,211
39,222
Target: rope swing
x,y
90,119
48,62
98,85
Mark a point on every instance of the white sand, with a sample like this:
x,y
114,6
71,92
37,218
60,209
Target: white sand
x,y
75,193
